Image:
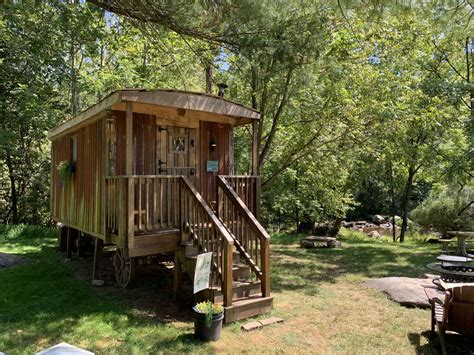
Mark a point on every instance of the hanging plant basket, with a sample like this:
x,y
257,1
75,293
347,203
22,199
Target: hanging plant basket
x,y
65,169
208,318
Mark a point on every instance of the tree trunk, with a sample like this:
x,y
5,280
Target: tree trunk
x,y
334,231
209,78
406,202
392,192
13,191
74,91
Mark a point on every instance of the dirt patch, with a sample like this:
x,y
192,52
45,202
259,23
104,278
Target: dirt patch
x,y
151,293
9,260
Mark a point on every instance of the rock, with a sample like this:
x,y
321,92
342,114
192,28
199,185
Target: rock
x,y
334,244
260,324
9,260
374,234
404,290
319,242
378,219
64,348
251,326
98,283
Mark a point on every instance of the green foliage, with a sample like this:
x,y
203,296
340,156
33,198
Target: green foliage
x,y
64,168
448,209
43,303
209,309
361,114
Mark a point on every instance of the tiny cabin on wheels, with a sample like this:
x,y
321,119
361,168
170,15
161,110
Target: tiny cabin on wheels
x,y
152,172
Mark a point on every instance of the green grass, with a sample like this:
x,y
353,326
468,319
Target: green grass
x,y
319,293
42,304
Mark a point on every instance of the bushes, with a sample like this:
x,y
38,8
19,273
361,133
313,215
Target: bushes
x,y
449,209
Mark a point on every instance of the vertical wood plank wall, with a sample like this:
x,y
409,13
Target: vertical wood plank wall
x,y
78,202
151,144
221,134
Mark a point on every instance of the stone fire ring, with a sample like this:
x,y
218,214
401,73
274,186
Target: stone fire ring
x,y
319,242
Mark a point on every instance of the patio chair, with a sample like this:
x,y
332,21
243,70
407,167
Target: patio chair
x,y
454,313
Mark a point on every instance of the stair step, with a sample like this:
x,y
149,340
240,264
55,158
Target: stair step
x,y
248,307
240,290
240,272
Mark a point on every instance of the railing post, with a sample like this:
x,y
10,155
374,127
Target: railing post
x,y
122,217
257,197
265,255
130,212
227,271
182,211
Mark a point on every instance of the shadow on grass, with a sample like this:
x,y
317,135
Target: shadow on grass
x,y
298,268
42,303
455,343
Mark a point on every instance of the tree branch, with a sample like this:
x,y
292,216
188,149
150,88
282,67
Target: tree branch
x,y
276,118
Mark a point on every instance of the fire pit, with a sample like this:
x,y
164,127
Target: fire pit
x,y
453,272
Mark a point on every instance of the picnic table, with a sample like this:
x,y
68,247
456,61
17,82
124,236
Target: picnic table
x,y
462,236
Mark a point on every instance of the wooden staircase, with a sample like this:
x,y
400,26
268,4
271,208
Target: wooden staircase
x,y
240,275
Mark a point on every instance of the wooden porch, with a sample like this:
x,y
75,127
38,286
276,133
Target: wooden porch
x,y
151,214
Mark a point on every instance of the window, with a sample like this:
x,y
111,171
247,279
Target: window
x,y
178,143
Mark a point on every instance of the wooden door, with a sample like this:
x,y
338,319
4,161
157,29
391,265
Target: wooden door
x,y
176,151
215,151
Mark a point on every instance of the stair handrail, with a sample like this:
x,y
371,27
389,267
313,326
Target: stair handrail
x,y
227,245
258,229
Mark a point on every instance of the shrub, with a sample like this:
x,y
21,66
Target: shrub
x,y
449,209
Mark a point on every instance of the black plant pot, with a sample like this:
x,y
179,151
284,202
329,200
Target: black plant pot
x,y
202,331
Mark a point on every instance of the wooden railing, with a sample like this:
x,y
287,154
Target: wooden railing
x,y
250,238
143,203
209,234
154,202
248,189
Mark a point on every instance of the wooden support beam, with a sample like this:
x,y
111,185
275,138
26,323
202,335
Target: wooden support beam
x,y
227,279
254,147
129,139
129,171
265,255
177,281
68,247
94,265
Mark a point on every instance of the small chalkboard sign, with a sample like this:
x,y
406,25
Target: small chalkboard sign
x,y
212,166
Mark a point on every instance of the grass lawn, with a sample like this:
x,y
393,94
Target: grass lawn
x,y
319,293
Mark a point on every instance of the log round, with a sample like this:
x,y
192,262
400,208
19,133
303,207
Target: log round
x,y
124,267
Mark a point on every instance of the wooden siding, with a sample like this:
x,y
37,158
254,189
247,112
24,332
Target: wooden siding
x,y
221,133
151,144
78,202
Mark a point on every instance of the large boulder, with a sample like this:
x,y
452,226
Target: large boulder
x,y
404,290
378,219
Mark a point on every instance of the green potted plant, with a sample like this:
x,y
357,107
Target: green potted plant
x,y
65,169
208,320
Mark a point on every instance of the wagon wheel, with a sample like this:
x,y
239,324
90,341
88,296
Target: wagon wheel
x,y
124,267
